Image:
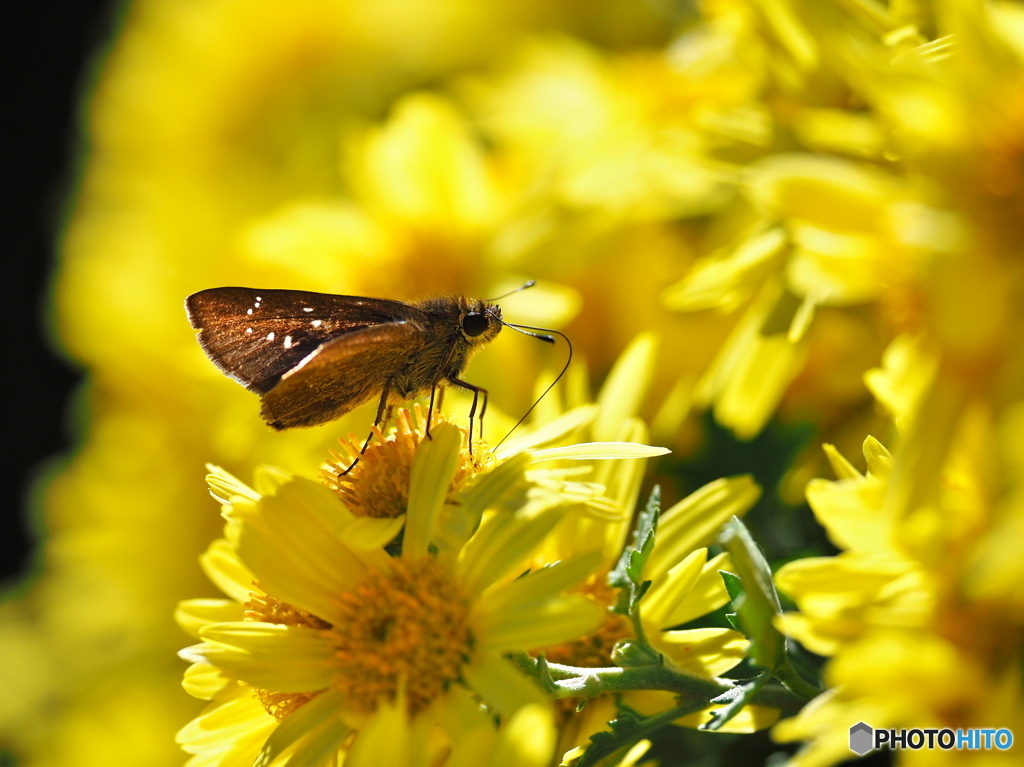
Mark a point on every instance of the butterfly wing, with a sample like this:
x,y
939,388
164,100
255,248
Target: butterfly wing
x,y
340,375
257,336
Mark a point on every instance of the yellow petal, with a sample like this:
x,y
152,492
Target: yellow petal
x,y
502,687
385,738
752,369
749,719
271,656
294,543
316,727
703,652
205,681
224,486
595,451
878,458
650,702
843,469
503,542
486,490
696,520
549,431
828,192
717,282
528,739
538,624
222,566
193,614
425,168
222,724
542,584
852,511
626,385
370,534
433,468
707,594
671,588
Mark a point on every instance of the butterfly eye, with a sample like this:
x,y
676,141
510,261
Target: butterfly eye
x,y
474,324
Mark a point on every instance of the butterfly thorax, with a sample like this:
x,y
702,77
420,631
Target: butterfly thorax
x,y
443,356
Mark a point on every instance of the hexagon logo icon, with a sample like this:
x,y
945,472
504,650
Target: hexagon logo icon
x,y
861,738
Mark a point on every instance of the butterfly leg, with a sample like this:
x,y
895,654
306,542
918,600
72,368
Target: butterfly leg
x,y
430,408
477,391
383,416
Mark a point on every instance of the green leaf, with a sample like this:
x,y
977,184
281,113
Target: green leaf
x,y
758,604
628,572
733,584
735,699
734,587
627,728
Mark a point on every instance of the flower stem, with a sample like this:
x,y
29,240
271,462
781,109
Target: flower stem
x,y
795,683
575,682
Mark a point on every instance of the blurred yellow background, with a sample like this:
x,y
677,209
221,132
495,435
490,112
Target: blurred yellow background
x,y
776,189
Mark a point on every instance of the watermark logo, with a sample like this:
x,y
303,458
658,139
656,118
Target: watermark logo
x,y
864,738
861,739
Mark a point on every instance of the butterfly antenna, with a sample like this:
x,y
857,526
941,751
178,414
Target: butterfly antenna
x,y
544,336
529,284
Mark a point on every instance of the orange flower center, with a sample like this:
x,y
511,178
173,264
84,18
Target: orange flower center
x,y
408,628
378,484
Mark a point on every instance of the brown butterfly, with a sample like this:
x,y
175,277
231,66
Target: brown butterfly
x,y
313,357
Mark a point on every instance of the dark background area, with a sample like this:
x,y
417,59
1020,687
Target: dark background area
x,y
48,49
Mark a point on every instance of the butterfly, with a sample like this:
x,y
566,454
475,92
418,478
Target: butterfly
x,y
313,357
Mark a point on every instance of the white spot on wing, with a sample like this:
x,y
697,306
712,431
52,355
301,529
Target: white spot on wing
x,y
307,308
248,311
287,342
248,330
317,323
270,336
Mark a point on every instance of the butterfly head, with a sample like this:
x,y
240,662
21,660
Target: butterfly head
x,y
480,321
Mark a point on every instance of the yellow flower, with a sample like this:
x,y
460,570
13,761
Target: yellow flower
x,y
440,494
336,627
845,177
527,739
842,245
630,136
874,581
685,585
688,590
216,136
375,482
913,640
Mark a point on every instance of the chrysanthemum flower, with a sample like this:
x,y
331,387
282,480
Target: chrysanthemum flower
x,y
325,627
685,585
913,641
375,482
626,136
540,463
526,739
